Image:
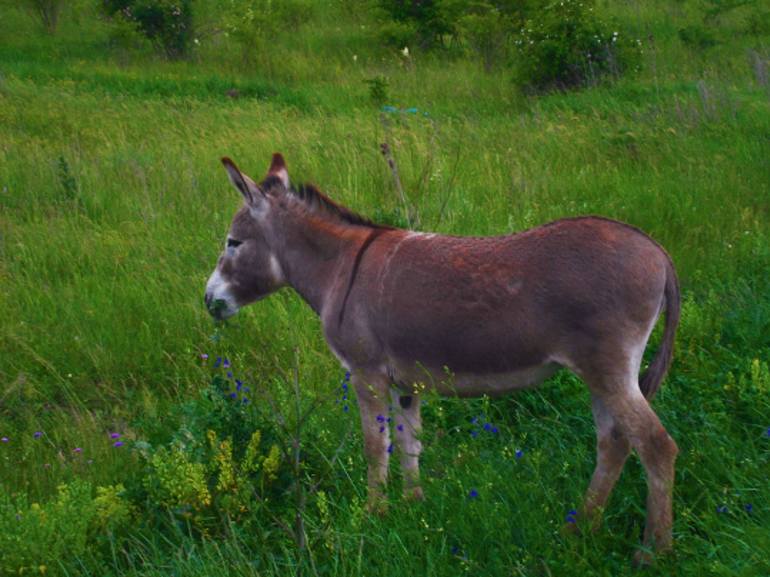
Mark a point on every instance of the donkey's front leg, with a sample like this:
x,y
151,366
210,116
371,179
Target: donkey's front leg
x,y
372,393
408,429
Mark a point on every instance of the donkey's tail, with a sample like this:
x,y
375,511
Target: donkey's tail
x,y
652,377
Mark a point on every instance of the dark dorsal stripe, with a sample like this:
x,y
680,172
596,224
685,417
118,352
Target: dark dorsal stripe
x,y
371,237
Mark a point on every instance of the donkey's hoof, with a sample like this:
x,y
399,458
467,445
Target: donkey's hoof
x,y
414,494
377,505
643,558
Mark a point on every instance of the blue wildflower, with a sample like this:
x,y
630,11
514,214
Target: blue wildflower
x,y
217,362
722,509
390,448
380,419
238,384
474,433
494,430
345,408
226,364
229,374
455,550
474,420
767,433
473,494
382,429
748,507
400,427
571,516
487,427
245,401
519,453
233,395
38,434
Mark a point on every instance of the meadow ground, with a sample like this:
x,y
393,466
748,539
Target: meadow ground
x,y
115,207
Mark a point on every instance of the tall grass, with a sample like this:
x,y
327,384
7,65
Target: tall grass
x,y
115,207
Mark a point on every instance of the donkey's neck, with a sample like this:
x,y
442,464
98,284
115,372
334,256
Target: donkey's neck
x,y
313,252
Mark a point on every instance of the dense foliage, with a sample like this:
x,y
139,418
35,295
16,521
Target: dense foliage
x,y
138,438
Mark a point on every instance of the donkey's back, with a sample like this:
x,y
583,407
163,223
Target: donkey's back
x,y
483,315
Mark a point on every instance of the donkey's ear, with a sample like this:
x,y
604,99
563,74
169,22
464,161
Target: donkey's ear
x,y
248,187
278,169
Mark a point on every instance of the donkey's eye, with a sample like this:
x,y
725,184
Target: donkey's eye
x,y
231,242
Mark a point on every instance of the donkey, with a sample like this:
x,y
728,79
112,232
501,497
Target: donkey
x,y
407,312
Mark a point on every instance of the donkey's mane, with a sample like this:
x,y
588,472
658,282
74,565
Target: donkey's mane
x,y
316,201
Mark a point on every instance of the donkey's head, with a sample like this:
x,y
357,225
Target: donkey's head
x,y
248,268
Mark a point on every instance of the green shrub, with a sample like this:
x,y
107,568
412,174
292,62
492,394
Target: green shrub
x,y
36,537
429,20
566,44
253,23
167,23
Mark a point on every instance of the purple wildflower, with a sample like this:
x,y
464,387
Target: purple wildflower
x,y
77,450
390,448
238,384
217,362
114,435
382,429
380,419
400,427
473,494
117,444
38,434
204,357
4,439
226,364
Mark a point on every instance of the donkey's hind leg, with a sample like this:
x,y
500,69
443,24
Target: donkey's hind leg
x,y
657,451
408,429
612,450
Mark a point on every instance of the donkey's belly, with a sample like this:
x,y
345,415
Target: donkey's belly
x,y
419,378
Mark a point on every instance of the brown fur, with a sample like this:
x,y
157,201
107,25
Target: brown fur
x,y
407,312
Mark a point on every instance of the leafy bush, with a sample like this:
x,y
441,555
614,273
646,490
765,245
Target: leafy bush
x,y
252,23
48,11
428,20
35,536
566,44
167,23
217,465
487,27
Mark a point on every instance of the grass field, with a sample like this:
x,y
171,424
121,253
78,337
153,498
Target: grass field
x,y
114,208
